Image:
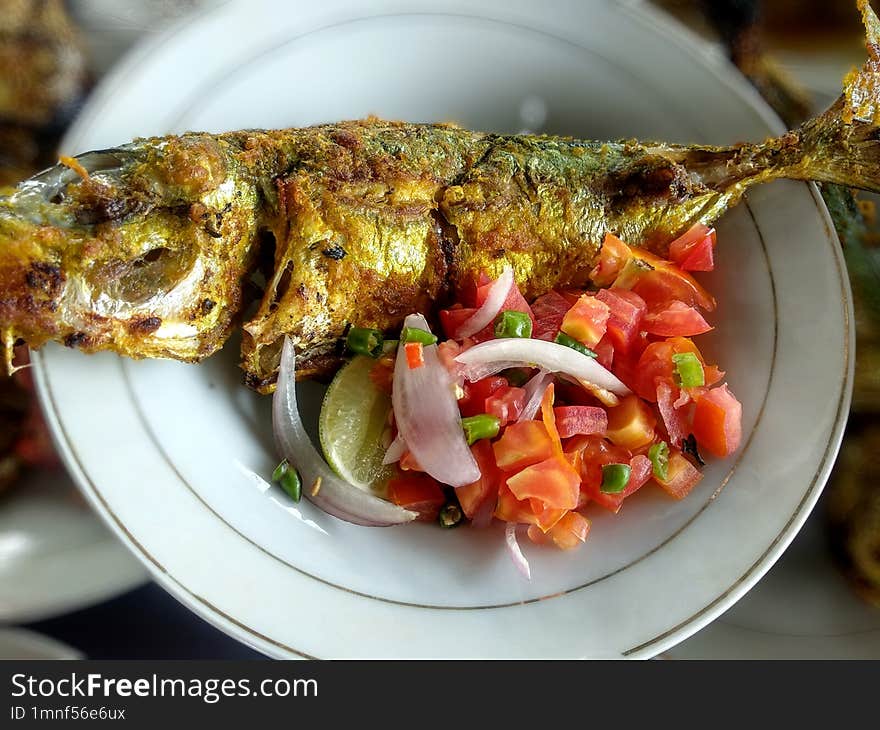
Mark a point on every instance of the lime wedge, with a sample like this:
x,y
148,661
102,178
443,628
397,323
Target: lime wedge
x,y
353,418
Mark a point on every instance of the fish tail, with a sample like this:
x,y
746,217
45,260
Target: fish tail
x,y
843,145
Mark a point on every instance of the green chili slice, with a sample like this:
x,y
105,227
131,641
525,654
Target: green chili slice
x,y
482,426
659,456
286,476
689,370
414,334
364,341
511,323
615,477
564,339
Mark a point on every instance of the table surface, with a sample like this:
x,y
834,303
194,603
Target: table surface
x,y
146,623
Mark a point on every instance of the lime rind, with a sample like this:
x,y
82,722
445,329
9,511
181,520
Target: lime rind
x,y
353,420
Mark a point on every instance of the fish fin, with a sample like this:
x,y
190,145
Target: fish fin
x,y
843,144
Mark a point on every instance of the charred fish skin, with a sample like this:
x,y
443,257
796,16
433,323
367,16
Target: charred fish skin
x,y
146,250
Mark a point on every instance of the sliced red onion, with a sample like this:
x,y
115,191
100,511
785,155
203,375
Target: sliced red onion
x,y
683,399
535,389
672,419
519,560
486,314
483,516
335,495
395,451
478,371
426,412
512,351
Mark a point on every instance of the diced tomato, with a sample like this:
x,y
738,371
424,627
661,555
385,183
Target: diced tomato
x,y
419,493
625,367
447,351
652,277
675,319
415,354
718,421
553,481
467,293
570,531
674,419
515,301
408,462
382,374
506,403
571,296
473,402
549,310
686,396
523,444
481,495
701,257
537,536
694,250
613,256
681,476
452,319
583,420
694,247
549,419
640,472
545,517
656,363
631,423
712,374
658,280
662,285
587,320
510,509
604,350
626,310
595,452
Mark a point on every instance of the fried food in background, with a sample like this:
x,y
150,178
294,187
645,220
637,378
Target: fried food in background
x,y
747,28
43,76
24,436
13,409
853,506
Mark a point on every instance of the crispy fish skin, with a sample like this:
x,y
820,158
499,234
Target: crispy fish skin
x,y
146,250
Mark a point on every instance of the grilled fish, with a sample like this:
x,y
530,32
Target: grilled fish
x,y
146,249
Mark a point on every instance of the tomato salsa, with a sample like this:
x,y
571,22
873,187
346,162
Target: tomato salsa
x,y
552,448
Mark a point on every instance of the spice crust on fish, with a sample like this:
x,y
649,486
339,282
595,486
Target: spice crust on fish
x,y
152,249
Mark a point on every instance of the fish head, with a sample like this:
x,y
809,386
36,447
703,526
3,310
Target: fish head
x,y
139,249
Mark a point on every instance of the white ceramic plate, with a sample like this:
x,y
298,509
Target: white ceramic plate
x,y
55,555
802,609
22,644
171,455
